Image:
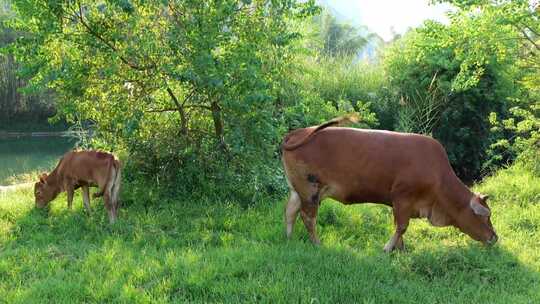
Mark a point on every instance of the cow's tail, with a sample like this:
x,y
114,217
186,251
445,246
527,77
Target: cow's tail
x,y
113,188
113,180
117,182
352,118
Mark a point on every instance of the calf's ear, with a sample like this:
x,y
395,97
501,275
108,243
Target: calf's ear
x,y
479,209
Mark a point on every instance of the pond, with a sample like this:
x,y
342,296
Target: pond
x,y
21,157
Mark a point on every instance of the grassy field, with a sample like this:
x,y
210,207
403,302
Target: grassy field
x,y
22,159
176,250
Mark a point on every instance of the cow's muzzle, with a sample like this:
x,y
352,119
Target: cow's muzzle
x,y
492,240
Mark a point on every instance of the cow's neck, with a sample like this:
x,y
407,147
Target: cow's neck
x,y
457,196
54,181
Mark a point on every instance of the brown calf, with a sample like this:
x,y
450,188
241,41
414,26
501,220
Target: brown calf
x,y
408,172
82,169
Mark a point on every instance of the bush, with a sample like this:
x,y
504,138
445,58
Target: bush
x,y
427,75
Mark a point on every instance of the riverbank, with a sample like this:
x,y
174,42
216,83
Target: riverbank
x,y
12,134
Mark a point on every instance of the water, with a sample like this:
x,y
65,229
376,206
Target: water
x,y
24,155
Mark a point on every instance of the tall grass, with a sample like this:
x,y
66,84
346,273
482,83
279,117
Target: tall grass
x,y
338,79
420,112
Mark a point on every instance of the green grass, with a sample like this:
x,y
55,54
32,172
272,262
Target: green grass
x,y
22,159
176,250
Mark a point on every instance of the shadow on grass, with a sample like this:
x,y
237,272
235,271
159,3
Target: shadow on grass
x,y
217,252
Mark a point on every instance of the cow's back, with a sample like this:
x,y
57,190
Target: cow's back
x,y
86,165
366,165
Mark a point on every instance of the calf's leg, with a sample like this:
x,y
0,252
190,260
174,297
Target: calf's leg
x,y
291,212
69,190
109,205
86,198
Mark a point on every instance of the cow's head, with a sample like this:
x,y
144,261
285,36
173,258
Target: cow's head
x,y
475,221
44,192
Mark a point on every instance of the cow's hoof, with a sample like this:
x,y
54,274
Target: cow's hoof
x,y
288,235
400,245
389,247
316,242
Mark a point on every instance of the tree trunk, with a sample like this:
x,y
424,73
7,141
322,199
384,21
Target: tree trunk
x,y
183,119
218,125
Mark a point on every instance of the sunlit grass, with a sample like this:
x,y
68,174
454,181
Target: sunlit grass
x,y
175,249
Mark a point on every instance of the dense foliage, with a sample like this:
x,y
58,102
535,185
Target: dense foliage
x,y
16,105
507,22
473,66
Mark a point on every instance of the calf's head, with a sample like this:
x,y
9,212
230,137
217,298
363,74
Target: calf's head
x,y
475,220
44,192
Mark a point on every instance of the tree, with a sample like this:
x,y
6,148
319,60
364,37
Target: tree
x,y
338,39
521,18
176,83
472,63
13,104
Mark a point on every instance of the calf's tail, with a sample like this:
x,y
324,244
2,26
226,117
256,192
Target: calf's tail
x,y
112,189
112,172
116,183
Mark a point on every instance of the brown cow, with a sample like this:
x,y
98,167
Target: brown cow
x,y
408,172
82,169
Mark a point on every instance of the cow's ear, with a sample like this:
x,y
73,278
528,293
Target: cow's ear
x,y
479,209
42,178
484,197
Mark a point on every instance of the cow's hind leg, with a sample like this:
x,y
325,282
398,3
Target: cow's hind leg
x,y
115,191
309,216
291,211
86,198
401,220
108,197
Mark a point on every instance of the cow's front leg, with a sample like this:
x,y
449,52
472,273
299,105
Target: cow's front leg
x,y
309,216
401,220
86,198
291,212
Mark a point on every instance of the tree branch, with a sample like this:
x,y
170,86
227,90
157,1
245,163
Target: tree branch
x,y
162,110
109,44
198,106
530,40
